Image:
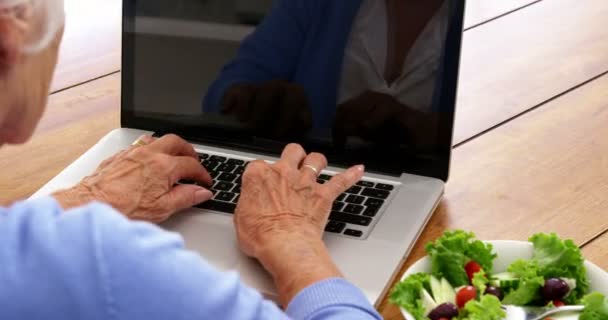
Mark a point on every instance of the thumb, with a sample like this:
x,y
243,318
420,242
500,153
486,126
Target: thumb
x,y
184,196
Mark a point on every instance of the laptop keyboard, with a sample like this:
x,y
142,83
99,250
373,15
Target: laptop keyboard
x,y
352,213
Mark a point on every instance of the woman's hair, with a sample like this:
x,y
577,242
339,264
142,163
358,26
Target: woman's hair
x,y
42,19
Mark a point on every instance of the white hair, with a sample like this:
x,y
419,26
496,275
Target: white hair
x,y
46,17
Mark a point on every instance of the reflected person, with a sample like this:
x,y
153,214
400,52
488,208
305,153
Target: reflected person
x,y
318,64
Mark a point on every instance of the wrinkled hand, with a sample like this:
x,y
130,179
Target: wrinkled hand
x,y
141,181
382,119
281,216
284,201
276,108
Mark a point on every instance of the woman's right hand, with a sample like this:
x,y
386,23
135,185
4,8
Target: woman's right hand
x,y
141,181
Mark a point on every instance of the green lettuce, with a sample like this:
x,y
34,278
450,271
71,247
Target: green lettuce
x,y
552,258
530,283
480,281
486,308
596,307
559,258
406,294
451,252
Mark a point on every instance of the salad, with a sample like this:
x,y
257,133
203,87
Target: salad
x,y
463,285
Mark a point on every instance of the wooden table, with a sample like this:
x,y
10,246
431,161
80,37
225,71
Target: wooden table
x,y
530,154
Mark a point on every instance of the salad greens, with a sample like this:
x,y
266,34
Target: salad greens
x,y
596,307
453,250
407,294
555,275
487,308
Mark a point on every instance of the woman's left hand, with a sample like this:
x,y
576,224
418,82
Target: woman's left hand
x,y
141,181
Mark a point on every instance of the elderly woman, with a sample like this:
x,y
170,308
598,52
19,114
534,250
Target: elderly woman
x,y
70,257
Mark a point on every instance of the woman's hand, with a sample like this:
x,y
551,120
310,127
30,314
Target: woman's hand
x,y
141,182
282,213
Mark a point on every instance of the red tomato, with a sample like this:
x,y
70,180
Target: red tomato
x,y
558,303
444,319
472,268
465,295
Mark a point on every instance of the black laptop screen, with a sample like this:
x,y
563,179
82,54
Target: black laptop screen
x,y
363,81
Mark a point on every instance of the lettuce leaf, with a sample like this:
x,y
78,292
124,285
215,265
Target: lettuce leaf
x,y
487,308
480,281
406,294
596,307
559,258
530,283
450,253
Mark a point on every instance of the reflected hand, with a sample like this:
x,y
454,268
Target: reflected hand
x,y
141,182
276,108
282,213
382,119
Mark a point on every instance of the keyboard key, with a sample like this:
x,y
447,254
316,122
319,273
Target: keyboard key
x,y
237,189
236,200
321,181
355,199
335,226
354,190
218,206
374,203
218,159
371,211
210,165
203,156
229,177
350,218
225,196
223,186
235,162
187,182
341,197
353,208
324,177
226,168
338,206
353,233
366,184
375,193
386,187
214,174
239,170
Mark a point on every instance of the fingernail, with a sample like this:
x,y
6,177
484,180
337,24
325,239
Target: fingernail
x,y
360,167
202,195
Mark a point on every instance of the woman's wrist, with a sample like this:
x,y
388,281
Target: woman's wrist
x,y
296,264
74,197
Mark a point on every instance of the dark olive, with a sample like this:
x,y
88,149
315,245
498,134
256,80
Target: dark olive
x,y
555,289
445,310
495,292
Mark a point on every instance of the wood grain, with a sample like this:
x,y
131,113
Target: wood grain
x,y
597,250
545,172
91,43
525,58
75,121
480,11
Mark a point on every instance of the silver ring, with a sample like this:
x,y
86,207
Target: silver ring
x,y
311,168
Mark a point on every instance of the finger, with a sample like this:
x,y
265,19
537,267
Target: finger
x,y
146,139
314,160
190,169
173,145
184,196
343,181
293,154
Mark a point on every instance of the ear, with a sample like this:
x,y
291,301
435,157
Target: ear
x,y
10,44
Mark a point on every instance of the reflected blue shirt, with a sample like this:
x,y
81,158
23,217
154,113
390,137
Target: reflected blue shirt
x,y
93,263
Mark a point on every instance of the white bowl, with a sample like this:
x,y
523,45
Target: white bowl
x,y
508,251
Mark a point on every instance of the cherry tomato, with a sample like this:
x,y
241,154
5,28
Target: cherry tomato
x,y
465,295
558,303
472,268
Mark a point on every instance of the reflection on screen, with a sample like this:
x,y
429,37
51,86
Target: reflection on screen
x,y
348,75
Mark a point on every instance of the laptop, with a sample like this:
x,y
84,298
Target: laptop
x,y
305,71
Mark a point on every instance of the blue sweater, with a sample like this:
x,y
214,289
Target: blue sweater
x,y
301,41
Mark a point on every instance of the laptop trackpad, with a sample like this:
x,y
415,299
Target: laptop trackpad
x,y
209,234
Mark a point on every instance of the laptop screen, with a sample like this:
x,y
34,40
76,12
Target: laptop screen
x,y
364,81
